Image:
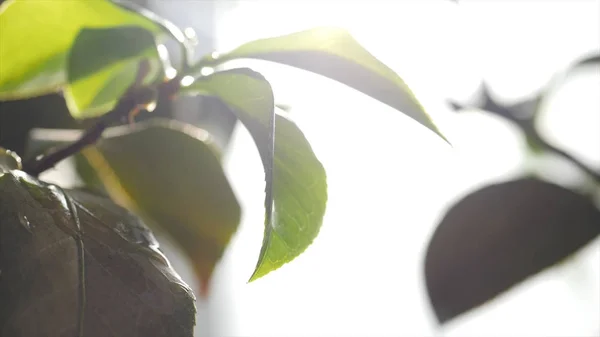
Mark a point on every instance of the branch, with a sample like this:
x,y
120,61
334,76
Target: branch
x,y
526,124
42,163
130,102
562,153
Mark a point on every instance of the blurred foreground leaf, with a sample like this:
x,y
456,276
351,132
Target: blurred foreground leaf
x,y
169,173
103,63
499,236
36,36
130,288
296,187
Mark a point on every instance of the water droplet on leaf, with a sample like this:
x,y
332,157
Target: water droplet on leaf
x,y
25,222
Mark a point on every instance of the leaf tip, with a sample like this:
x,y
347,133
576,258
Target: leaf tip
x,y
258,273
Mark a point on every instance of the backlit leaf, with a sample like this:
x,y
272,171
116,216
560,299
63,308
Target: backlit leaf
x,y
296,188
334,53
35,38
170,173
103,63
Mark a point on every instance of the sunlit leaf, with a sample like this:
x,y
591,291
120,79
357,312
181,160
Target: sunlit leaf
x,y
296,188
77,257
334,53
35,37
500,235
169,173
103,63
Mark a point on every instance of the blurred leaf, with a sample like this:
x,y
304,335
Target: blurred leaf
x,y
525,110
296,188
334,53
53,238
186,45
585,61
37,35
501,235
285,107
103,63
170,173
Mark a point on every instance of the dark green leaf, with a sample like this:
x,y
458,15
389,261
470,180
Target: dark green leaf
x,y
77,257
37,35
501,235
334,53
170,174
103,63
296,188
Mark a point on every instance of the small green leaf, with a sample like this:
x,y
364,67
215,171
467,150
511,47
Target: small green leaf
x,y
35,37
170,174
296,187
334,53
103,64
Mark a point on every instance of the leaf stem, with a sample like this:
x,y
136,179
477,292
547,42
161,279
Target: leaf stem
x,y
564,154
528,128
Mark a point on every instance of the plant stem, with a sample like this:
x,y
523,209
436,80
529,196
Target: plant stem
x,y
133,99
527,126
42,163
559,152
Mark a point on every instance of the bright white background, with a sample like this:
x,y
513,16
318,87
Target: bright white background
x,y
390,179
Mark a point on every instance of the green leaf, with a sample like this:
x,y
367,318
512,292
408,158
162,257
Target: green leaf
x,y
296,187
35,37
103,63
170,174
334,53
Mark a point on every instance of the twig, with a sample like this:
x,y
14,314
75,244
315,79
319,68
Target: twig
x,y
559,152
128,103
42,163
527,126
